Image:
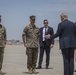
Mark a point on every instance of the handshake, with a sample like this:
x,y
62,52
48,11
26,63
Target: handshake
x,y
48,36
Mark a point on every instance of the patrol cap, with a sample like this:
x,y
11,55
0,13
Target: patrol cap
x,y
0,16
32,17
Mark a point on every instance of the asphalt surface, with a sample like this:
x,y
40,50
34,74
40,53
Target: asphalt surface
x,y
15,61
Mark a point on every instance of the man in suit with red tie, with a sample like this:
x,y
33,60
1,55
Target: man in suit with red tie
x,y
45,44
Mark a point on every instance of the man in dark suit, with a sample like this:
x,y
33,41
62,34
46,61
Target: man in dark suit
x,y
45,44
75,57
67,33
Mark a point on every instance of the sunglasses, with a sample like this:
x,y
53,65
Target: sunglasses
x,y
45,22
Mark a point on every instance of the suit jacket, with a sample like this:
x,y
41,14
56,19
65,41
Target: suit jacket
x,y
48,41
67,34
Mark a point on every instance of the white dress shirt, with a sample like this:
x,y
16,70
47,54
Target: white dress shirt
x,y
44,32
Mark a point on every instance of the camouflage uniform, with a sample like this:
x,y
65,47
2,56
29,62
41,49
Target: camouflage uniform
x,y
32,41
2,34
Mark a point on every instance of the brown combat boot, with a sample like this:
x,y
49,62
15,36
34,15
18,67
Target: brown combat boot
x,y
34,71
1,72
30,71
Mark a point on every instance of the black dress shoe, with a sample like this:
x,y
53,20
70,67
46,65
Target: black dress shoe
x,y
47,67
39,67
74,70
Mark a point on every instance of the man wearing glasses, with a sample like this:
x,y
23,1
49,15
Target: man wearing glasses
x,y
45,44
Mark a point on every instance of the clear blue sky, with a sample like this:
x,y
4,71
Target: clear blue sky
x,y
15,14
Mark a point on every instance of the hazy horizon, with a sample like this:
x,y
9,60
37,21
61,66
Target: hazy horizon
x,y
15,14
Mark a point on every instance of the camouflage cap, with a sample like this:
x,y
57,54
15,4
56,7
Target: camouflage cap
x,y
32,17
0,16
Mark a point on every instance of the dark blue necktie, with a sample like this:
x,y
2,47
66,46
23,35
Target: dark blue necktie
x,y
46,30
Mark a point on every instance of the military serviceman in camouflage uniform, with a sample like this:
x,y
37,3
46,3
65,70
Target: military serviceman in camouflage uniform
x,y
2,43
30,38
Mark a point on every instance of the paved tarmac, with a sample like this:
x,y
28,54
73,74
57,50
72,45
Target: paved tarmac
x,y
15,61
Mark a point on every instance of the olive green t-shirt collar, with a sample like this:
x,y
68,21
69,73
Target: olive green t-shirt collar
x,y
32,26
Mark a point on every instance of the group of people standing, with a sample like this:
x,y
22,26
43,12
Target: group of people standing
x,y
34,37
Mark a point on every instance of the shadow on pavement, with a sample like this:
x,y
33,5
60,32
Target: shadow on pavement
x,y
3,73
47,68
29,73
